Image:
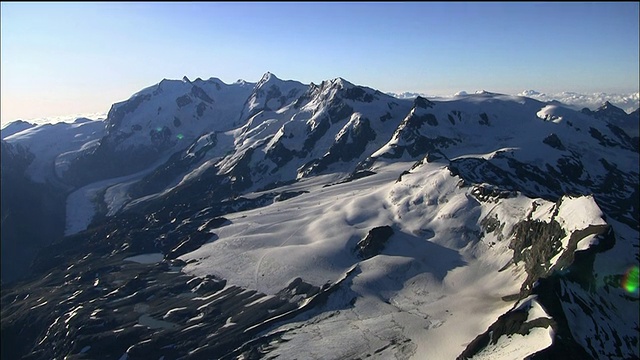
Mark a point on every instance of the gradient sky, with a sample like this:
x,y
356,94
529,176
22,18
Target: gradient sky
x,y
72,58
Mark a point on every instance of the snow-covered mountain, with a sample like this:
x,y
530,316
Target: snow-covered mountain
x,y
628,102
627,122
281,219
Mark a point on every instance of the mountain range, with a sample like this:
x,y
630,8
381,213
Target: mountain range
x,y
206,220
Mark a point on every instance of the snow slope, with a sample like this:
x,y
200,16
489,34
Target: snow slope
x,y
429,285
47,142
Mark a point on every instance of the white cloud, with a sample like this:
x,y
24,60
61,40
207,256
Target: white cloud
x,y
627,102
406,95
63,118
531,93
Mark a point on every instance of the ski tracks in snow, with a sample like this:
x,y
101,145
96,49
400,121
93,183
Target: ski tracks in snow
x,y
259,264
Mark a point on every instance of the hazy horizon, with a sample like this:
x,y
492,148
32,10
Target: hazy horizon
x,y
64,58
628,102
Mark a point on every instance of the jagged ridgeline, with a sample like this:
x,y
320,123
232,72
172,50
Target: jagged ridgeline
x,y
276,219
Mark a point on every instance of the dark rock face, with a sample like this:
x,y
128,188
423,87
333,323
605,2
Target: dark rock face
x,y
200,109
161,138
198,93
358,94
118,111
622,137
484,119
304,98
420,146
339,110
488,193
618,195
288,195
417,144
15,159
268,91
183,101
536,243
423,103
190,243
357,174
315,134
557,294
386,116
349,146
513,322
240,176
604,141
573,294
274,93
570,167
614,192
280,155
431,119
177,164
485,171
374,243
554,141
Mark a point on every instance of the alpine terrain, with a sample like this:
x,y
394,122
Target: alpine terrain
x,y
205,220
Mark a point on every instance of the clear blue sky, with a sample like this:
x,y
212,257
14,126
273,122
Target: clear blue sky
x,y
67,58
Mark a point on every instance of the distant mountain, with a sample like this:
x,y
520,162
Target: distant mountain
x,y
406,95
630,123
15,127
576,100
278,219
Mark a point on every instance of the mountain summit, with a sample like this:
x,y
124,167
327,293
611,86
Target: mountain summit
x,y
630,123
279,219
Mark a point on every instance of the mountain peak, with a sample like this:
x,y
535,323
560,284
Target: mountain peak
x,y
422,102
268,76
342,82
336,83
610,108
15,127
606,106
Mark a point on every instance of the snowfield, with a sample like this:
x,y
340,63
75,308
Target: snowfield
x,y
429,285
